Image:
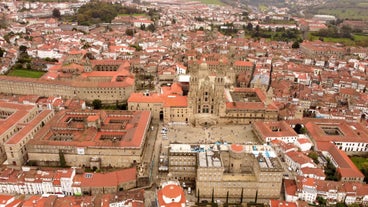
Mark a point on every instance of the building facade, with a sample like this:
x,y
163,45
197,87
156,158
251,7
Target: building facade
x,y
222,169
92,139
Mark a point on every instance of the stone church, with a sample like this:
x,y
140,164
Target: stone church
x,y
213,99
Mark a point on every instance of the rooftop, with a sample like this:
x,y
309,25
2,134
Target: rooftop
x,y
94,129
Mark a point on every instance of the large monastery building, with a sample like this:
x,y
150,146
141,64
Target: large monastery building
x,y
77,77
91,139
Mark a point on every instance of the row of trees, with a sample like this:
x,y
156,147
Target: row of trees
x,y
335,32
96,12
213,203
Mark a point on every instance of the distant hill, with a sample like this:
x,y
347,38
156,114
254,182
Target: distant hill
x,y
342,9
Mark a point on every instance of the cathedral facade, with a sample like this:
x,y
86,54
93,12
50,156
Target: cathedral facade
x,y
213,99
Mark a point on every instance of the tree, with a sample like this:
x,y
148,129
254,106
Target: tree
x,y
2,52
241,196
298,128
143,27
295,45
258,28
250,26
62,159
342,204
321,201
198,197
151,27
213,196
129,32
97,104
330,171
345,31
364,169
56,13
3,22
22,48
314,157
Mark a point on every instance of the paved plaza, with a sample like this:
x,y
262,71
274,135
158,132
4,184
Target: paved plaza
x,y
240,134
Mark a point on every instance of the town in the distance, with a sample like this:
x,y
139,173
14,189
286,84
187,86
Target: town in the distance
x,y
174,103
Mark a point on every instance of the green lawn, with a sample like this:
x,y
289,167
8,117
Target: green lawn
x,y
346,13
215,2
358,39
263,7
359,161
25,73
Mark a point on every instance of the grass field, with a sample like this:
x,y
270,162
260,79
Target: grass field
x,y
359,161
214,2
346,41
263,7
26,73
342,9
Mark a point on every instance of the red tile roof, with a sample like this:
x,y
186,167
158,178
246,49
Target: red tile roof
x,y
171,195
109,179
176,101
279,203
346,168
290,187
265,129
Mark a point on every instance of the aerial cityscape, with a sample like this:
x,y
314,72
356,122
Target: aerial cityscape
x,y
175,103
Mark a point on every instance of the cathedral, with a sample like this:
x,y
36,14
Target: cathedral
x,y
213,99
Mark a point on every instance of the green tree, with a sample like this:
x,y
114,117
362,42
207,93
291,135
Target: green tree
x,y
298,128
345,31
151,27
56,13
241,196
227,199
143,27
314,156
3,22
330,171
364,169
130,32
97,104
321,201
213,196
96,12
62,159
342,204
22,48
250,26
198,197
2,51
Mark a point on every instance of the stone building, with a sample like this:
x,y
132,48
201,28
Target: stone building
x,y
212,98
223,168
77,77
92,139
18,124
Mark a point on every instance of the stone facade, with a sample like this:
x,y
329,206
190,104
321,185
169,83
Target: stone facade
x,y
116,139
79,78
212,99
19,122
223,169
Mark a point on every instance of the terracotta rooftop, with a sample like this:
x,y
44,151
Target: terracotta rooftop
x,y
127,127
274,129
